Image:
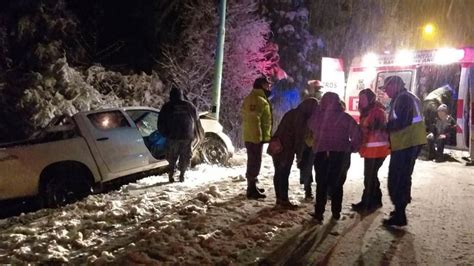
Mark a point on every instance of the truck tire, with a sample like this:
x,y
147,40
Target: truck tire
x,y
61,190
214,151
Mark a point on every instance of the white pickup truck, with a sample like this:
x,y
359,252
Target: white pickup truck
x,y
76,155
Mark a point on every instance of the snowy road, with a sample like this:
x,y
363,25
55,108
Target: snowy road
x,y
207,220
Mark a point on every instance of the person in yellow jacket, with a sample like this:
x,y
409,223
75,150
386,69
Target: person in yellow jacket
x,y
407,134
257,129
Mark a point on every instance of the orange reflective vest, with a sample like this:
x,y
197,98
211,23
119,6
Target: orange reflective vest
x,y
375,143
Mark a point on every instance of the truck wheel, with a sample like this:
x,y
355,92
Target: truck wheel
x,y
214,151
59,191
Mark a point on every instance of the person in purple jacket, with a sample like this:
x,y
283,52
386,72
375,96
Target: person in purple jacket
x,y
336,135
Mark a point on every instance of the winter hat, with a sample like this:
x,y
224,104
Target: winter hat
x,y
315,83
260,82
443,108
394,79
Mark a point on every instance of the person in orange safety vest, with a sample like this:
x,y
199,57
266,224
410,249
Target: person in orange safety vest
x,y
374,149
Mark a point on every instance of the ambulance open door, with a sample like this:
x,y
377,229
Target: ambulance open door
x,y
469,112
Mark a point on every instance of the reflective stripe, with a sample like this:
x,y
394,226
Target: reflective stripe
x,y
417,118
414,134
377,144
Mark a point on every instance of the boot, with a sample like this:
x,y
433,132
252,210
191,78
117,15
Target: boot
x,y
181,177
359,207
374,205
398,219
318,218
286,204
252,191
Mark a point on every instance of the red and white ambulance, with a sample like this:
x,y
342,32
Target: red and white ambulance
x,y
423,72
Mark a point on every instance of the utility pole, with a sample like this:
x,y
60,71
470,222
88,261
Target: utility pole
x,y
216,86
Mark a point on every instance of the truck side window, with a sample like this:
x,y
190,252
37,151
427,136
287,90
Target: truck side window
x,y
108,120
146,121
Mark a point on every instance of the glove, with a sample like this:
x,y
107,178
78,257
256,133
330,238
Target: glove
x,y
430,136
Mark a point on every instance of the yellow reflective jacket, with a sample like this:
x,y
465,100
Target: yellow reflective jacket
x,y
256,117
412,133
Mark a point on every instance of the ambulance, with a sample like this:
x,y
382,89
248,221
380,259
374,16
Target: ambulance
x,y
424,74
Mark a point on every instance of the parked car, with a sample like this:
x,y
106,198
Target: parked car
x,y
77,155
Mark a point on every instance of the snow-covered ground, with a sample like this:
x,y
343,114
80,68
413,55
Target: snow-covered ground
x,y
208,220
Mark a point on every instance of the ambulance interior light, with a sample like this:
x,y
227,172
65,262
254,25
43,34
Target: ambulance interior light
x,y
404,58
370,60
448,55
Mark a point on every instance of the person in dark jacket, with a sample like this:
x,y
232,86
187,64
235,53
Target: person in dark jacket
x,y
304,145
336,135
442,95
179,123
407,134
443,129
290,134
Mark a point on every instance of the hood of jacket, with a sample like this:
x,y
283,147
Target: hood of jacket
x,y
176,94
331,102
308,106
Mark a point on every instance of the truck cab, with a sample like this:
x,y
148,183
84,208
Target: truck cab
x,y
77,154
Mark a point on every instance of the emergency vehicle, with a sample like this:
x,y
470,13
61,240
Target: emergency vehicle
x,y
422,72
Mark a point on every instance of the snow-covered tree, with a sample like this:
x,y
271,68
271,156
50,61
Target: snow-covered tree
x,y
248,54
42,77
298,46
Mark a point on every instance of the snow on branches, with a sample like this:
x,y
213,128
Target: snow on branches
x,y
247,55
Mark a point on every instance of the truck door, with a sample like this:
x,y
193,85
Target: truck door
x,y
147,124
119,144
469,114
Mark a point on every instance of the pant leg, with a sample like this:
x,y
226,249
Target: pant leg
x,y
401,167
185,154
368,168
306,171
172,154
281,178
254,160
277,178
286,169
377,194
414,153
372,193
321,168
431,148
339,165
440,148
